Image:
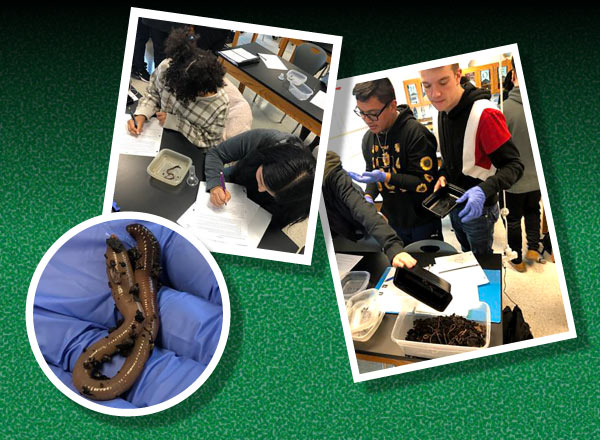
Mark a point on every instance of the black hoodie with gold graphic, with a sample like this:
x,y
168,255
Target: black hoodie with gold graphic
x,y
407,152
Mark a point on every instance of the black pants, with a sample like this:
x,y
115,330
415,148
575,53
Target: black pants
x,y
525,205
145,33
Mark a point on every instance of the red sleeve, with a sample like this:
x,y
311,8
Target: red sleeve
x,y
492,131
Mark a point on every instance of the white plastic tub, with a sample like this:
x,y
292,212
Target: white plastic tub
x,y
169,167
364,314
302,92
354,282
405,322
295,77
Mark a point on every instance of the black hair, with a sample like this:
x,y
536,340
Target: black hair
x,y
288,171
192,71
382,89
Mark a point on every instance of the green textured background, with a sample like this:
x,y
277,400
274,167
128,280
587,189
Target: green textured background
x,y
285,371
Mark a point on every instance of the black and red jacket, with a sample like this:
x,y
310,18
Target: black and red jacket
x,y
476,146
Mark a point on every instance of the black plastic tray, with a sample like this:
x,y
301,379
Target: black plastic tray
x,y
424,286
443,200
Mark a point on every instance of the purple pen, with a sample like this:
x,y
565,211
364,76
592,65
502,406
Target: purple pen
x,y
222,179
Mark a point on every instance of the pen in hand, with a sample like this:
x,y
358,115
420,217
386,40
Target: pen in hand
x,y
134,120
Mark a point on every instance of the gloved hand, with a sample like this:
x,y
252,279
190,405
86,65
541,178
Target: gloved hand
x,y
369,176
369,199
73,308
474,198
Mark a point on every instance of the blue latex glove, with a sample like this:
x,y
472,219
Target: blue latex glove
x,y
369,199
369,176
73,308
474,198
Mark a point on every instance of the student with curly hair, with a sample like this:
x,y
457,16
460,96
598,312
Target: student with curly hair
x,y
186,93
274,167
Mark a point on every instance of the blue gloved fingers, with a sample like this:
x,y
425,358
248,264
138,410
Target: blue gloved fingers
x,y
354,176
188,271
65,378
190,326
474,198
74,282
369,199
372,176
62,338
165,375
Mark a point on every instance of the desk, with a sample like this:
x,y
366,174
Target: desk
x,y
265,83
381,348
135,190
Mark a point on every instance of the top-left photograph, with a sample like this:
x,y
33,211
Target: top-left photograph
x,y
221,127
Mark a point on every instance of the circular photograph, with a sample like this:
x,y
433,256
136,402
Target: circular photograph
x,y
127,314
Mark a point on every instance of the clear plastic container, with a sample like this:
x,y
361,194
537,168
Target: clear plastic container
x,y
295,77
354,282
364,314
302,92
405,321
169,167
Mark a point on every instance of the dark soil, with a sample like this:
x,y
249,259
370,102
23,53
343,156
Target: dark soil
x,y
448,330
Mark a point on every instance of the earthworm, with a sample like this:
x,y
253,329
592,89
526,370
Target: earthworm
x,y
169,175
132,277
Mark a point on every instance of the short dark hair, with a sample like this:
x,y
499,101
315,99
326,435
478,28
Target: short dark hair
x,y
382,89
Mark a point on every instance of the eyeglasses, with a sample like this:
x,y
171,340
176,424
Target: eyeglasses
x,y
371,116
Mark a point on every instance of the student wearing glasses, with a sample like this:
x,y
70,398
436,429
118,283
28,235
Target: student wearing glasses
x,y
400,161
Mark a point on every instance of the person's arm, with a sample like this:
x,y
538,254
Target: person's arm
x,y
228,151
205,125
420,174
365,213
149,104
494,140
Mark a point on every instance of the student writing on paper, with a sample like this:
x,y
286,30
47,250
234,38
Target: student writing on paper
x,y
352,217
274,167
186,93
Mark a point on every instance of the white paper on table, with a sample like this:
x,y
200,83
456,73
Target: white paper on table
x,y
465,296
345,263
238,55
147,143
390,297
319,99
464,264
241,222
272,61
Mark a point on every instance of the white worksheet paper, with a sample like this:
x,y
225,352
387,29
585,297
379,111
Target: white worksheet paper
x,y
463,265
465,296
345,263
238,55
272,61
147,143
239,223
320,99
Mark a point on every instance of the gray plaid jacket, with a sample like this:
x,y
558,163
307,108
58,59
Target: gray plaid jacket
x,y
201,121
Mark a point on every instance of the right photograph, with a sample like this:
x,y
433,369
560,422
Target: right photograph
x,y
436,216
